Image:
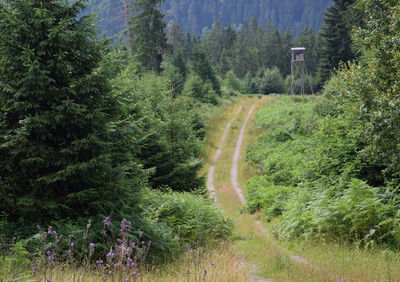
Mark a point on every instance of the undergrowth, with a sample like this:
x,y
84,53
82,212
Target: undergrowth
x,y
313,179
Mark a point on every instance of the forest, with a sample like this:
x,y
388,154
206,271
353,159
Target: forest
x,y
104,141
196,17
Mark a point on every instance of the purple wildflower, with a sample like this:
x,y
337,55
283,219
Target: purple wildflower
x,y
110,257
107,221
91,248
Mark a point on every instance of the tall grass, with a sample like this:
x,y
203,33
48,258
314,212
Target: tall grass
x,y
197,264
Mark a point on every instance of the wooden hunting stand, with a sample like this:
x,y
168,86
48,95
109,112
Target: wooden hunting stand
x,y
299,71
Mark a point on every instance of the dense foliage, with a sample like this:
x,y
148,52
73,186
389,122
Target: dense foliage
x,y
55,154
329,165
88,132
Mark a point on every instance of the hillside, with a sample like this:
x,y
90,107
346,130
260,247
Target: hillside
x,y
195,16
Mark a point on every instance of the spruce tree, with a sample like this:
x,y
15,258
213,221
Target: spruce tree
x,y
336,36
55,105
286,54
202,67
148,30
307,39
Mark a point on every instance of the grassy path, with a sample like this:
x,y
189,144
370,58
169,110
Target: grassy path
x,y
210,177
262,256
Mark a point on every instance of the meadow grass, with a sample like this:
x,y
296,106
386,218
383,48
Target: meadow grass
x,y
220,263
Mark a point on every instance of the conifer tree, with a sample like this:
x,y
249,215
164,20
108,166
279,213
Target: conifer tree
x,y
55,105
148,31
336,36
286,54
202,67
307,39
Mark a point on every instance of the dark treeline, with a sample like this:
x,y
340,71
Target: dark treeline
x,y
196,16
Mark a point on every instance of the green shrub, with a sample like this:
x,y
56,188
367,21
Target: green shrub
x,y
192,218
200,90
288,84
249,85
271,82
232,84
263,194
170,220
315,180
356,212
15,263
332,93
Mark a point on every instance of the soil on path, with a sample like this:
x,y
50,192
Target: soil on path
x,y
210,178
236,155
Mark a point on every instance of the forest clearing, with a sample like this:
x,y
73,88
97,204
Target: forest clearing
x,y
160,155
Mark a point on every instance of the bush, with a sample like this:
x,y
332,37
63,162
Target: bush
x,y
192,218
200,90
249,84
288,84
332,97
356,212
264,194
314,179
271,82
169,220
232,83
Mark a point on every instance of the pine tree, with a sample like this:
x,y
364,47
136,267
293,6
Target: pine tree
x,y
213,42
286,54
148,31
336,36
55,106
176,38
246,55
202,67
307,39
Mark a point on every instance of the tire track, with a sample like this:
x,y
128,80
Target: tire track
x,y
210,177
236,155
